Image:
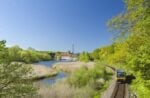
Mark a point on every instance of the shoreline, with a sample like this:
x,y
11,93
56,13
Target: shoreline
x,y
41,72
38,78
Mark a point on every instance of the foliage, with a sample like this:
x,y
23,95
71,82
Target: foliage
x,y
86,76
14,77
14,53
3,52
130,49
85,57
93,80
58,55
27,56
133,27
95,54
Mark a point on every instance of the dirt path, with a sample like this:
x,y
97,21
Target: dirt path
x,y
107,93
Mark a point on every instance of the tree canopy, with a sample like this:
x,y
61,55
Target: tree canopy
x,y
130,49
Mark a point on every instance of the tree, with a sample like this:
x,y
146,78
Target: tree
x,y
14,77
95,54
133,25
85,57
58,55
14,53
3,52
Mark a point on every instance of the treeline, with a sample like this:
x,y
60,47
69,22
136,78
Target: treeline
x,y
30,55
131,47
100,54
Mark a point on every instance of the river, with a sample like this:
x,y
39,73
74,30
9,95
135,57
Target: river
x,y
51,80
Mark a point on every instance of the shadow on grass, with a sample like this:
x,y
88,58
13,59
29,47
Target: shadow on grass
x,y
130,78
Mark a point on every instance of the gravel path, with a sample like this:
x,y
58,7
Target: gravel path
x,y
109,91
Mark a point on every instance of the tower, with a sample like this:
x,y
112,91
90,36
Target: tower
x,y
72,48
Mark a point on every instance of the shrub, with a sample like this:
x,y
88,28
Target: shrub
x,y
84,76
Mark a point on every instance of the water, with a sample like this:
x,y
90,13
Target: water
x,y
53,79
46,63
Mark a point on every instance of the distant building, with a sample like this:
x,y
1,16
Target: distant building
x,y
68,56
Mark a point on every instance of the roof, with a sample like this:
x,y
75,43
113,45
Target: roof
x,y
120,70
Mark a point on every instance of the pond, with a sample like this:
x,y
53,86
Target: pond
x,y
53,79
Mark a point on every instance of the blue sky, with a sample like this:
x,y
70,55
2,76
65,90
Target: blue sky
x,y
57,24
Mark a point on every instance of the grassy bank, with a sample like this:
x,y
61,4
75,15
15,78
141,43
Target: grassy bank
x,y
41,72
83,83
72,66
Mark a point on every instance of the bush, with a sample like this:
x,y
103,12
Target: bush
x,y
84,76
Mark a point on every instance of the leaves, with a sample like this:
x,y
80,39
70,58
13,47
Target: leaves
x,y
85,57
14,77
134,25
15,53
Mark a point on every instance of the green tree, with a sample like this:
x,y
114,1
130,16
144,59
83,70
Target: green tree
x,y
14,53
95,54
14,77
85,57
3,52
133,26
58,55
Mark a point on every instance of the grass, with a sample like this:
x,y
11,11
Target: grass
x,y
83,83
64,90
